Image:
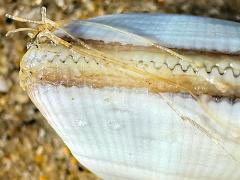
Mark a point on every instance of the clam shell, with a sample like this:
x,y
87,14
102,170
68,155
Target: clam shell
x,y
173,31
126,127
132,134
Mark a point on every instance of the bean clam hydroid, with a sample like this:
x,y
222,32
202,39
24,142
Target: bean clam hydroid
x,y
141,96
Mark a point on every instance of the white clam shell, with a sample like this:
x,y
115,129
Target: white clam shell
x,y
132,134
173,31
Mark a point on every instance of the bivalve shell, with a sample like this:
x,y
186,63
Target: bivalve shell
x,y
145,96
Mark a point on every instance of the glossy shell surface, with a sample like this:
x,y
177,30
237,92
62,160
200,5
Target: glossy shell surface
x,y
132,134
173,31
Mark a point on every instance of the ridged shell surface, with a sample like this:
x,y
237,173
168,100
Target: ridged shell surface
x,y
133,134
173,31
